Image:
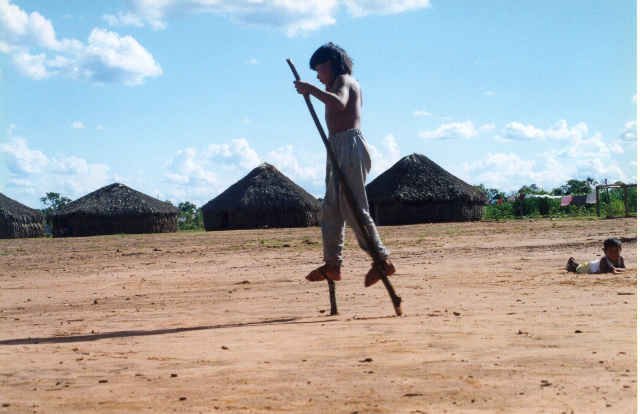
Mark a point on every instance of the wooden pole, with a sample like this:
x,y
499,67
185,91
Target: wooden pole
x,y
520,206
332,297
626,206
608,200
377,261
598,201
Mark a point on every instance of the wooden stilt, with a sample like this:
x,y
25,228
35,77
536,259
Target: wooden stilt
x,y
626,205
333,297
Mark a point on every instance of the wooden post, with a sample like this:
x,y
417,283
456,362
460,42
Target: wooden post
x,y
597,201
332,297
626,206
608,199
520,206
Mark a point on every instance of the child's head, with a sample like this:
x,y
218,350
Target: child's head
x,y
341,63
612,248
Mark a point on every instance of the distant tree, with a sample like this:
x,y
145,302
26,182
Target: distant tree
x,y
491,193
187,208
576,187
531,189
54,202
191,217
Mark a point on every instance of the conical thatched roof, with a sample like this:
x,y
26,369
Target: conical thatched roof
x,y
415,179
116,200
11,209
265,197
264,186
18,220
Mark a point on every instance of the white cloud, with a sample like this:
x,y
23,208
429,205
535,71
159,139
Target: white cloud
x,y
635,99
488,93
592,147
239,152
20,159
519,132
456,130
126,19
382,161
285,161
69,165
109,58
77,125
509,172
560,131
289,16
360,8
579,156
421,113
32,66
198,176
487,129
185,168
252,61
105,58
630,131
20,29
500,138
33,174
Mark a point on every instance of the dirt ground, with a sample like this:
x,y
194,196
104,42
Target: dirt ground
x,y
224,322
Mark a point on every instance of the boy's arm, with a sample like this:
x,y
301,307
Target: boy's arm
x,y
335,99
604,266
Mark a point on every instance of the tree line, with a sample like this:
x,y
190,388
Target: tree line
x,y
611,201
572,187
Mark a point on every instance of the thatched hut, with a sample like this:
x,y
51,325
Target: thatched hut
x,y
18,221
114,209
264,198
417,190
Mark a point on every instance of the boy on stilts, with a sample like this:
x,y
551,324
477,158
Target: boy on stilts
x,y
343,100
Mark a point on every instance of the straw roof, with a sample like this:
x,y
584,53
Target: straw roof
x,y
18,220
116,200
265,197
264,186
415,179
11,209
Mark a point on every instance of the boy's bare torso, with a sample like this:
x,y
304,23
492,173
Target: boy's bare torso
x,y
349,117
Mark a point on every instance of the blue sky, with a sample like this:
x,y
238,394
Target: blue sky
x,y
181,98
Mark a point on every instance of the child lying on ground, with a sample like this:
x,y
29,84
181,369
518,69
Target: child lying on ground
x,y
611,262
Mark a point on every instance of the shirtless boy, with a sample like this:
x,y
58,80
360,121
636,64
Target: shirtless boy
x,y
342,98
611,262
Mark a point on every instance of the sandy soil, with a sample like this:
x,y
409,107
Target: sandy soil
x,y
224,322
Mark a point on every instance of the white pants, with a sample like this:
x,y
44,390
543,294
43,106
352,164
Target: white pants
x,y
355,163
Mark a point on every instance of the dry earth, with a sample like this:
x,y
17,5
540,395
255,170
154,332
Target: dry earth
x,y
224,322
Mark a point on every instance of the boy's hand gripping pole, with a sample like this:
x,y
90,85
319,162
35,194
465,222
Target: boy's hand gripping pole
x,y
377,261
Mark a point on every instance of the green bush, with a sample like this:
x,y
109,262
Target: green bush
x,y
534,207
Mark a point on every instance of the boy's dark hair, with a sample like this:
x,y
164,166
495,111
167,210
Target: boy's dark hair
x,y
341,62
612,242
